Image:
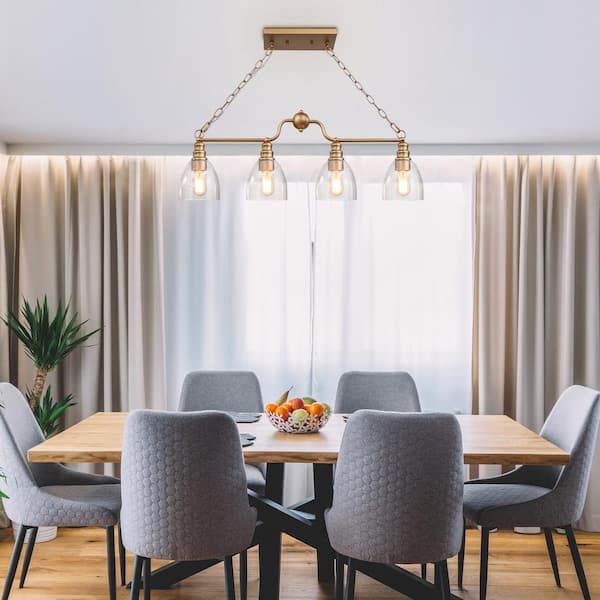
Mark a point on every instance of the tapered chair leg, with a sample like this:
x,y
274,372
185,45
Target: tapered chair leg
x,y
30,546
229,582
577,562
350,580
122,557
424,571
110,560
442,583
147,579
461,557
136,582
483,565
339,577
14,561
244,575
552,554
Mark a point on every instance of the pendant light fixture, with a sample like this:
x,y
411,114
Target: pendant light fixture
x,y
267,180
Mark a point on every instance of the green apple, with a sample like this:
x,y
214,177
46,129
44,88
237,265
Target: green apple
x,y
326,408
299,416
308,400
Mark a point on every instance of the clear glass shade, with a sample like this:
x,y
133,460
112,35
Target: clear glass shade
x,y
336,185
199,185
403,185
266,185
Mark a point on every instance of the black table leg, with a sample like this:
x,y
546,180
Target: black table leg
x,y
323,480
269,548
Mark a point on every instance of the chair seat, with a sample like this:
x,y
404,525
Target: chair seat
x,y
74,506
504,505
256,479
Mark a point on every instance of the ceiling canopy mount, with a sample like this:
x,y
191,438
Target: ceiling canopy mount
x,y
299,38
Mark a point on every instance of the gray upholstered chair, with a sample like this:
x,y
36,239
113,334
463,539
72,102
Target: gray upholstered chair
x,y
541,496
48,494
398,493
184,491
235,391
393,390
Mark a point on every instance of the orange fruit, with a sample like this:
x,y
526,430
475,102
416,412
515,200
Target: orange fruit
x,y
270,408
283,412
297,403
288,406
315,409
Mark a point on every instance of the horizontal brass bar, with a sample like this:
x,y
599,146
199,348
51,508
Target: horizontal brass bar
x,y
299,38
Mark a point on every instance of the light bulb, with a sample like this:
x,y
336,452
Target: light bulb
x,y
267,185
199,183
403,183
336,183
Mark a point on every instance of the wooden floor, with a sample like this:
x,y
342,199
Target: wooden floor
x,y
72,567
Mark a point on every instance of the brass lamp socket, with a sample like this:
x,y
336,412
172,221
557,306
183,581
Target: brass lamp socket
x,y
402,157
266,162
336,157
199,156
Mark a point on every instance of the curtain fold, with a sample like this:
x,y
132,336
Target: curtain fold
x,y
88,231
537,296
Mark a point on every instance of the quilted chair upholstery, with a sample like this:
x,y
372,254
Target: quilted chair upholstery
x,y
184,487
48,494
543,496
398,489
235,391
395,391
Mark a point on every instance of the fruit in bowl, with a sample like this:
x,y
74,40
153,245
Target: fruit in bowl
x,y
297,415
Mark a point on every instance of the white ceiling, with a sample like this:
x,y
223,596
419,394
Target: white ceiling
x,y
151,71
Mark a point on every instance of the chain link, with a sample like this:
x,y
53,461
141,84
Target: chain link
x,y
260,63
400,133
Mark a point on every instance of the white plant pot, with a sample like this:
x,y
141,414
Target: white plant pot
x,y
528,530
45,534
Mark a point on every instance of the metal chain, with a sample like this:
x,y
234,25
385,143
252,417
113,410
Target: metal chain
x,y
260,63
400,133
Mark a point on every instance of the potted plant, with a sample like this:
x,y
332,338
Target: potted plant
x,y
47,339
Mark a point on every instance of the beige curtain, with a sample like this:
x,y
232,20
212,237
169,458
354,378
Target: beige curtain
x,y
88,230
537,289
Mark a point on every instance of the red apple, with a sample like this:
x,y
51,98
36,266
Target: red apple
x,y
297,403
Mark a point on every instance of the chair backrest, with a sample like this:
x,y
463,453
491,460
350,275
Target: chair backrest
x,y
183,486
573,426
393,390
398,488
237,391
19,432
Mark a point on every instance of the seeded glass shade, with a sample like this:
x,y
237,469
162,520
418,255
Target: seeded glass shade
x,y
266,185
336,185
403,185
199,185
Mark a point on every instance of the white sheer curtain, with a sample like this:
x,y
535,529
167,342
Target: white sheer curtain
x,y
300,292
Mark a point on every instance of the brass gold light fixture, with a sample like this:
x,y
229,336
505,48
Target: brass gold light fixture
x,y
267,180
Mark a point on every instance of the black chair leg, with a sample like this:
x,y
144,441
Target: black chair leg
x,y
577,562
136,582
122,557
461,557
110,560
424,571
350,580
147,579
442,583
552,554
229,582
244,575
14,561
339,577
483,566
30,546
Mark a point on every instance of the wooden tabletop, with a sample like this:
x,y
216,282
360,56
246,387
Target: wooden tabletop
x,y
486,440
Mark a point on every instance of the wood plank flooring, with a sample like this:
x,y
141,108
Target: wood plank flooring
x,y
73,567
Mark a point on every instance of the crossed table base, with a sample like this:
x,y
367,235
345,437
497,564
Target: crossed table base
x,y
486,440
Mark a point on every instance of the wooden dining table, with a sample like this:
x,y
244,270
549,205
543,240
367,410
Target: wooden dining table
x,y
487,439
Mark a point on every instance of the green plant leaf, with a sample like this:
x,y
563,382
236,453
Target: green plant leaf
x,y
47,412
